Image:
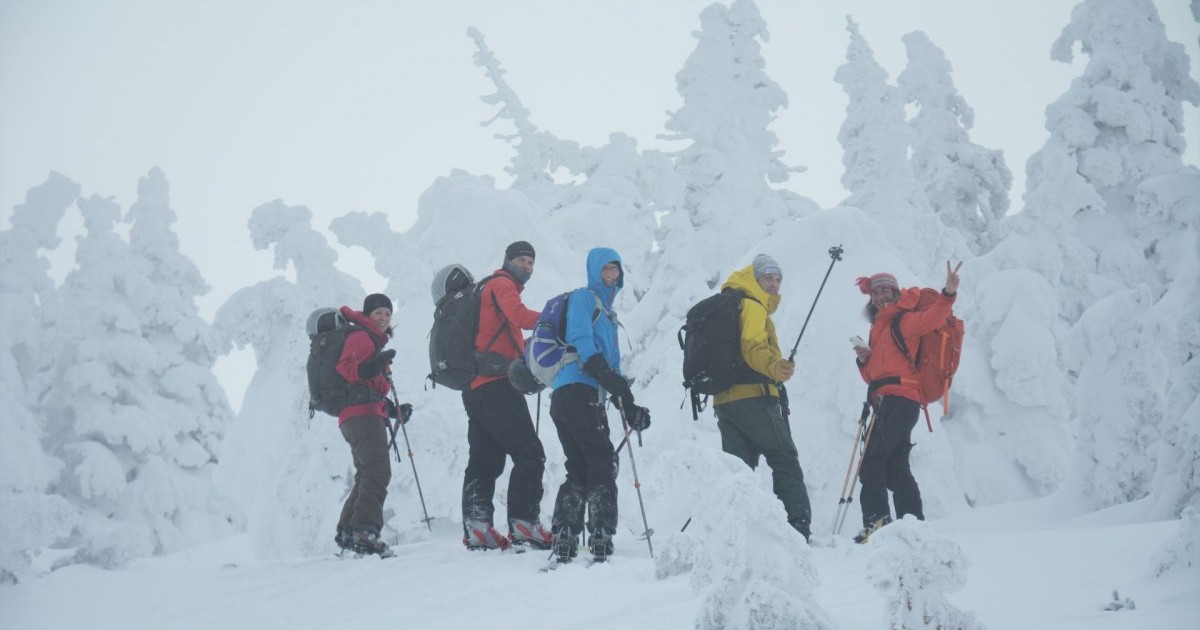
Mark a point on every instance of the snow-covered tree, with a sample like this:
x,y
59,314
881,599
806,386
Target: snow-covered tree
x,y
755,570
287,471
875,140
1119,124
1120,391
915,568
1009,399
1177,479
729,103
182,384
30,516
967,185
535,149
1181,553
137,460
616,203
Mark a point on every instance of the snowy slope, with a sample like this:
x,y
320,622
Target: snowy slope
x,y
1048,574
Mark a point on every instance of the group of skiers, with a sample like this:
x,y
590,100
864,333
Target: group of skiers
x,y
750,418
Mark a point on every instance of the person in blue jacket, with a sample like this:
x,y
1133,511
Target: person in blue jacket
x,y
577,408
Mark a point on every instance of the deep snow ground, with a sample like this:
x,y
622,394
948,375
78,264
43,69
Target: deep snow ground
x,y
1028,570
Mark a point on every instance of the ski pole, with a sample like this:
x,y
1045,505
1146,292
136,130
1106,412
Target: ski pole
x,y
392,441
537,427
405,414
835,253
637,485
857,472
843,498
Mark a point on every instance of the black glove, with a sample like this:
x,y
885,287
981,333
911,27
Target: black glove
x,y
405,413
381,364
390,408
623,402
609,379
639,419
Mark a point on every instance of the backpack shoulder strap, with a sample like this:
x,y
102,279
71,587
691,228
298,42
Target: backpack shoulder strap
x,y
503,319
898,336
599,307
352,328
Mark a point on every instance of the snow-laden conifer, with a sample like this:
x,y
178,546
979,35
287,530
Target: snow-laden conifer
x,y
616,203
1181,553
875,141
753,569
137,461
181,384
288,473
1119,124
1120,392
535,149
729,103
967,184
31,516
915,568
1177,479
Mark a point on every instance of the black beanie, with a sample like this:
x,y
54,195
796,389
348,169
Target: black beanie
x,y
519,248
374,301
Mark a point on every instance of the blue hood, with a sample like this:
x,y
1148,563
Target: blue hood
x,y
596,259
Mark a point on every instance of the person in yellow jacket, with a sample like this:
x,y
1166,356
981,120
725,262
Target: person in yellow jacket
x,y
749,415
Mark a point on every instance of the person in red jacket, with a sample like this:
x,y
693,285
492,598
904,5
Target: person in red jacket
x,y
891,390
498,420
366,366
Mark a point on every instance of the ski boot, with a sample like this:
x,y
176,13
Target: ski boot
x,y
566,545
522,533
344,538
481,536
601,546
870,528
369,543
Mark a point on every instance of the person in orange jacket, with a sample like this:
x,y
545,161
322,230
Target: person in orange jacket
x,y
892,391
498,420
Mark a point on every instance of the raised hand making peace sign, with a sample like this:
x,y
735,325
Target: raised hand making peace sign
x,y
952,278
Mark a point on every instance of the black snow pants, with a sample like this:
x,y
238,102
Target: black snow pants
x,y
582,424
499,426
885,465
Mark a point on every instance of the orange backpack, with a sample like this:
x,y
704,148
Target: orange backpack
x,y
937,353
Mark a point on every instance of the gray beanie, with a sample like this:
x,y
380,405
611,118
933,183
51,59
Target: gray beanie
x,y
764,265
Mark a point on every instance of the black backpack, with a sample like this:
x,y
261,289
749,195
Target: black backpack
x,y
328,392
711,339
453,360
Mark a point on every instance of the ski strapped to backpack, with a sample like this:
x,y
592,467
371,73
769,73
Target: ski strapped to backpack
x,y
711,340
453,360
547,350
936,357
328,392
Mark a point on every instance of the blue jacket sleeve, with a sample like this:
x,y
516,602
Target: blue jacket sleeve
x,y
580,330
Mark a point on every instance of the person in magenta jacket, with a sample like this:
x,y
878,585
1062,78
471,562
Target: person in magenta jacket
x,y
366,366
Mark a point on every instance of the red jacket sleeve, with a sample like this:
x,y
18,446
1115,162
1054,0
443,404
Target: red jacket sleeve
x,y
510,304
914,324
358,348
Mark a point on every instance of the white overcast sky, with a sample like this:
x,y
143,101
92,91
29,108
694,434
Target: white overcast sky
x,y
360,105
